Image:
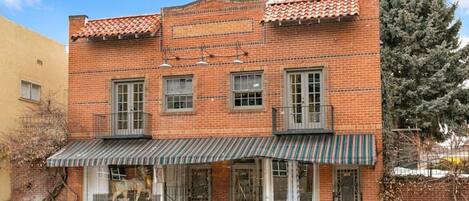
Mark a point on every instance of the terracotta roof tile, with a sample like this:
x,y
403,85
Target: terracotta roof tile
x,y
119,26
288,10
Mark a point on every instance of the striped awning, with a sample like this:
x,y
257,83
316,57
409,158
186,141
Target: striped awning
x,y
323,149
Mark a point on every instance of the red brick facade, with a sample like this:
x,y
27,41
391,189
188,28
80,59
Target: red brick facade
x,y
347,51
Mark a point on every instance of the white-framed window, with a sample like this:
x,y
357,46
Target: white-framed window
x,y
30,91
179,93
120,184
279,168
247,90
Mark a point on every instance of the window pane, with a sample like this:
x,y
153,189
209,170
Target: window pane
x,y
179,86
36,92
237,82
25,89
247,82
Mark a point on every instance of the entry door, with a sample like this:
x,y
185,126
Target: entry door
x,y
347,185
128,115
244,187
304,100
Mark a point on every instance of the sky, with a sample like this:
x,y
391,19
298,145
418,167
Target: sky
x,y
50,17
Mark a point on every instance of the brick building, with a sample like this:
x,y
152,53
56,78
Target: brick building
x,y
227,100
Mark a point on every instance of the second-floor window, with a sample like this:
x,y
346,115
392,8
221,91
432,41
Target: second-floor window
x,y
247,90
30,91
178,93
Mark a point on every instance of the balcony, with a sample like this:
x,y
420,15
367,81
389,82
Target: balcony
x,y
122,125
313,119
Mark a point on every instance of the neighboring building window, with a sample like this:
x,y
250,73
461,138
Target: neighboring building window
x,y
179,93
247,90
30,91
279,168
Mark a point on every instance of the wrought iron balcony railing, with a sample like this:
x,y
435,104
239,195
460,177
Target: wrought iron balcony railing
x,y
122,125
312,119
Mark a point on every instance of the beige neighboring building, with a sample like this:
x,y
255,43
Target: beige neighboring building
x,y
31,67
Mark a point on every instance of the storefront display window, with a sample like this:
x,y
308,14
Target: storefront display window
x,y
119,183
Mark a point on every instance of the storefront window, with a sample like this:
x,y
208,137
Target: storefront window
x,y
188,182
130,182
115,183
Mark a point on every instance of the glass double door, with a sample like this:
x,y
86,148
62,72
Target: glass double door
x,y
128,116
304,99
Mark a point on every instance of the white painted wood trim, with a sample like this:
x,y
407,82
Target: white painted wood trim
x,y
292,181
158,181
316,190
268,186
85,184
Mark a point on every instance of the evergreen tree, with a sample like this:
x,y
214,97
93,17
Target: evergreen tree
x,y
423,65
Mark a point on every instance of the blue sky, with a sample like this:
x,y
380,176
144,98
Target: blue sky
x,y
50,17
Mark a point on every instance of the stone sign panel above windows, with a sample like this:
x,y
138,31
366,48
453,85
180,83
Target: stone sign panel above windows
x,y
213,28
213,23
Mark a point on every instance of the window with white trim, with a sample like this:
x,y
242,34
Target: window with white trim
x,y
247,90
30,91
279,168
179,93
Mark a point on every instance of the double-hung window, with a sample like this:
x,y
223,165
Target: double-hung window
x,y
30,91
247,90
179,93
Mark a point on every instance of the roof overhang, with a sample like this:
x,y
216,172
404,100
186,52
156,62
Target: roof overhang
x,y
279,11
120,28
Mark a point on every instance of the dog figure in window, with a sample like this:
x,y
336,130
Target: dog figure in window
x,y
138,184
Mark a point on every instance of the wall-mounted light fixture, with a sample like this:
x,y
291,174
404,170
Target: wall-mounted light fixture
x,y
165,60
202,56
238,60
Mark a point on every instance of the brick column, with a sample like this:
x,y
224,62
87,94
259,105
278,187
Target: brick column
x,y
221,173
75,181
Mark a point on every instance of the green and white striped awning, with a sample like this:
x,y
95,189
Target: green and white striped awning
x,y
322,149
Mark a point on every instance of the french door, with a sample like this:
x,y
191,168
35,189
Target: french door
x,y
128,114
304,93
